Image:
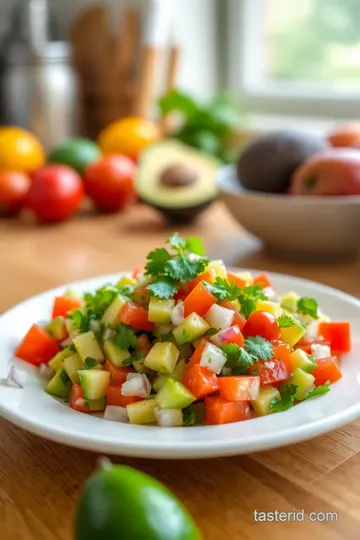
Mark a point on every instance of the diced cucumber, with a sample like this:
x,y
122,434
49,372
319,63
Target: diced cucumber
x,y
293,334
304,382
270,307
160,310
299,359
71,328
72,364
88,347
261,405
289,301
192,328
96,404
57,329
94,383
162,330
59,385
142,412
176,375
174,395
111,315
69,293
117,356
125,280
57,361
162,357
218,268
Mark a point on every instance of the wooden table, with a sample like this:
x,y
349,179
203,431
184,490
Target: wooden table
x,y
39,480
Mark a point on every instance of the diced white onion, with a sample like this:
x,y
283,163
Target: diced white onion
x,y
80,402
312,330
320,351
67,342
95,326
177,314
169,417
213,358
130,376
116,414
138,386
219,317
269,293
15,377
108,334
45,371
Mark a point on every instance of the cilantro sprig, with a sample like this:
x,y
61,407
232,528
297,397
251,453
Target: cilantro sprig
x,y
286,401
248,298
308,306
89,363
224,290
125,337
239,359
259,348
284,321
318,391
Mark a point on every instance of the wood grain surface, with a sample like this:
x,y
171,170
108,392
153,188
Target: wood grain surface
x,y
40,480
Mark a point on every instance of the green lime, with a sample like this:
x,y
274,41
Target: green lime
x,y
121,503
76,153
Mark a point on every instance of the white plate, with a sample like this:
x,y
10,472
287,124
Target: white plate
x,y
32,409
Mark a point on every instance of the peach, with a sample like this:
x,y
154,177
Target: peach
x,y
346,136
334,172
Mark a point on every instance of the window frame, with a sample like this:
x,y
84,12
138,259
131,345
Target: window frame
x,y
243,34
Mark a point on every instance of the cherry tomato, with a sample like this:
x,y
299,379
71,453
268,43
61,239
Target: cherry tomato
x,y
56,193
14,186
261,323
110,182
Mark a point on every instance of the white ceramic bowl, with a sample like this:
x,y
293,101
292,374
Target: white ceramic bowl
x,y
316,226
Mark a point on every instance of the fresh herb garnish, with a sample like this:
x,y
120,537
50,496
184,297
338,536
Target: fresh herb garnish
x,y
138,355
212,332
190,417
167,336
318,391
157,261
224,290
89,363
286,401
127,361
248,298
64,377
259,348
284,321
308,306
125,337
163,288
86,405
238,360
72,347
81,320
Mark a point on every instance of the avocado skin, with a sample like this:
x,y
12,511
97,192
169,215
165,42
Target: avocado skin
x,y
122,503
179,216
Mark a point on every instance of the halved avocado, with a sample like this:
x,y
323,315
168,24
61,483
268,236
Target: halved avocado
x,y
177,180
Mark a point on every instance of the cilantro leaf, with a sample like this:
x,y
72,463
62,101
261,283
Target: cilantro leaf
x,y
286,401
318,391
125,337
72,347
81,320
212,331
89,363
157,261
259,348
138,355
248,298
127,361
167,336
177,242
194,244
190,417
97,303
237,359
64,377
164,287
185,269
224,290
308,306
127,290
284,321
232,353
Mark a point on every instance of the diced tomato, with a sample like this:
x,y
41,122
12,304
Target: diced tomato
x,y
136,272
272,371
143,344
75,395
327,369
117,374
196,357
305,343
230,335
239,282
282,351
200,381
238,320
37,347
262,323
263,279
142,296
136,316
63,304
115,397
240,388
207,276
338,333
199,301
220,411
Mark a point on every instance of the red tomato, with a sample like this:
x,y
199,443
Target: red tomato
x,y
110,182
239,282
56,193
199,301
136,316
200,381
75,395
115,397
261,323
196,357
327,369
37,347
14,187
220,411
238,320
240,388
282,351
143,344
305,343
117,374
272,371
64,304
263,279
338,333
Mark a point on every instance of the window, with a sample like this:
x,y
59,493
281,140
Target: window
x,y
296,57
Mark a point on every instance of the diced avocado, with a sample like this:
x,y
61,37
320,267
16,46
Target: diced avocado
x,y
88,347
162,357
111,315
270,307
72,364
125,280
94,383
60,385
57,329
57,362
174,395
142,412
117,356
218,268
289,301
192,328
293,334
261,405
95,405
304,382
299,359
71,328
160,310
246,276
176,375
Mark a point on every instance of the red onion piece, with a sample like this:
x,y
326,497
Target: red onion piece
x,y
169,417
177,314
138,386
15,376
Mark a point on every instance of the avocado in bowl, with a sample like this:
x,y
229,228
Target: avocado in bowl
x,y
177,180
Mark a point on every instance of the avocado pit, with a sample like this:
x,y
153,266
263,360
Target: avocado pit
x,y
178,175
